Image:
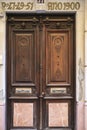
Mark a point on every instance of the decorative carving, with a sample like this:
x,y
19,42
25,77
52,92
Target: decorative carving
x,y
41,23
23,41
11,19
59,24
23,51
58,53
69,19
58,41
35,19
23,25
46,19
58,73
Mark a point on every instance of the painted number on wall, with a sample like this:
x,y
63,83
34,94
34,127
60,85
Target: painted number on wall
x,y
17,5
63,6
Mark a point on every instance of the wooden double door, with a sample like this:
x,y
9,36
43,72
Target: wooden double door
x,y
40,71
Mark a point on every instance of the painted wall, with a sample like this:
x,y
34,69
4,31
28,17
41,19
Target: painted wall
x,y
81,56
85,66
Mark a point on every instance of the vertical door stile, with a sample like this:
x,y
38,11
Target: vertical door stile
x,y
41,67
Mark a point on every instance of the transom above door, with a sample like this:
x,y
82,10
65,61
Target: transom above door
x,y
40,71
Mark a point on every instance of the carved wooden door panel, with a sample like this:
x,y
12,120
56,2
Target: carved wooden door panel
x,y
40,72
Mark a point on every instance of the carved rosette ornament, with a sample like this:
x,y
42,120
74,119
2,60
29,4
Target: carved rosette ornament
x,y
58,41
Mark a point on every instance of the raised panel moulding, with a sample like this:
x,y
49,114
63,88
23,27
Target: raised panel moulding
x,y
23,47
58,114
23,115
59,57
23,58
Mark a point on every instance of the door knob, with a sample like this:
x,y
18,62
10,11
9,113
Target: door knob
x,y
42,95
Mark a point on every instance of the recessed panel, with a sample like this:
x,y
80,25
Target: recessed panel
x,y
24,58
58,64
58,115
23,115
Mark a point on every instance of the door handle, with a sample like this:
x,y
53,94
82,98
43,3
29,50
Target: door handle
x,y
42,95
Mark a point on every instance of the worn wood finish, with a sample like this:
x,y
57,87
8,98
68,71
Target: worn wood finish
x,y
41,68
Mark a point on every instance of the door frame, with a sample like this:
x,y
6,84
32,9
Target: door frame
x,y
74,56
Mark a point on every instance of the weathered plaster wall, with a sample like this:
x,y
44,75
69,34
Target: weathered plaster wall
x,y
85,65
2,73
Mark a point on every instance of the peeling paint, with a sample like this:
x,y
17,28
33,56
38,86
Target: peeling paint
x,y
81,79
1,94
